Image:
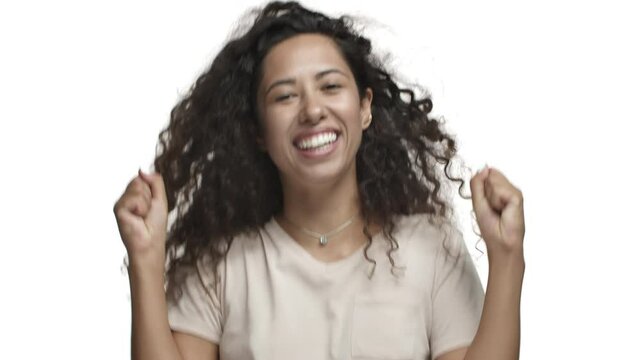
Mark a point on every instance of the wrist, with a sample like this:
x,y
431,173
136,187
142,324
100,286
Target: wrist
x,y
512,255
146,264
511,266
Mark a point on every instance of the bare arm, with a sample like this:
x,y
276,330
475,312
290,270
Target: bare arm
x,y
151,336
498,335
141,213
194,348
500,213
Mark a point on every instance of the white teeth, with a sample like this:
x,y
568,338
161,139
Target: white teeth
x,y
317,140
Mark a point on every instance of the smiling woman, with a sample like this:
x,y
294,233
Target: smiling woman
x,y
310,216
312,121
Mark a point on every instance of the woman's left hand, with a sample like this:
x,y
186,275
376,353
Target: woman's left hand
x,y
498,206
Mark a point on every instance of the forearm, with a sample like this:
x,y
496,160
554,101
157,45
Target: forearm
x,y
151,336
498,336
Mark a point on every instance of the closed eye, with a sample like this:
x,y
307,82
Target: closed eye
x,y
283,97
332,86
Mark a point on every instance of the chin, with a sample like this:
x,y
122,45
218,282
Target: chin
x,y
326,174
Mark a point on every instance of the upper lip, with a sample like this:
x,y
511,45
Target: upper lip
x,y
309,133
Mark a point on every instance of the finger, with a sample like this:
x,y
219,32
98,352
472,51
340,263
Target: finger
x,y
478,195
499,190
126,221
488,187
497,178
156,183
136,205
128,201
498,196
144,189
139,187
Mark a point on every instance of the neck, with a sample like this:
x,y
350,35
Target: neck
x,y
324,207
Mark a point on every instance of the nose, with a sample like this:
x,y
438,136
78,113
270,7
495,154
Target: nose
x,y
313,110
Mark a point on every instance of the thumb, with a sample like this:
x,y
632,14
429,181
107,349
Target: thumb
x,y
158,192
478,197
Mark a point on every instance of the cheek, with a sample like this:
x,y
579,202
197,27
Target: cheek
x,y
349,107
275,134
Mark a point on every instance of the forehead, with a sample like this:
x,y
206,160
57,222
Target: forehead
x,y
300,54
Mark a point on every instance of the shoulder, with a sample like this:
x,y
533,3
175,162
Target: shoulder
x,y
247,252
426,231
235,253
249,241
422,240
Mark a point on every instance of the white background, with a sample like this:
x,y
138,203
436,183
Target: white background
x,y
545,91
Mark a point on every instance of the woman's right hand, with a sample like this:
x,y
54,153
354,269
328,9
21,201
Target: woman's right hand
x,y
141,213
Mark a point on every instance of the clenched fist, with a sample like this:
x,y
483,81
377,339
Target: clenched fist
x,y
141,213
499,210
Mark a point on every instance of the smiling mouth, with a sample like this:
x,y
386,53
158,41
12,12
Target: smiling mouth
x,y
317,141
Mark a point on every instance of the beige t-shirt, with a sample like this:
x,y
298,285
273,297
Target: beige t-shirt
x,y
276,301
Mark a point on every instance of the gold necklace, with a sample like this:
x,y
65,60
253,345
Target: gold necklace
x,y
323,238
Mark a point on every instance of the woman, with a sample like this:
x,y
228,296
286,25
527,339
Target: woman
x,y
310,223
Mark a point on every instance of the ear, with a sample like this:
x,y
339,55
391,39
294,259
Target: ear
x,y
365,108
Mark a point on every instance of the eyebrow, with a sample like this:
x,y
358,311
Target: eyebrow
x,y
293,81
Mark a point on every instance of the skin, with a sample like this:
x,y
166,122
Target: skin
x,y
297,94
320,194
499,209
307,87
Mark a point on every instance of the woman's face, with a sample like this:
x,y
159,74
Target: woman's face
x,y
310,111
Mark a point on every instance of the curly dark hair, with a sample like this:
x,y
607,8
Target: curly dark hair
x,y
209,156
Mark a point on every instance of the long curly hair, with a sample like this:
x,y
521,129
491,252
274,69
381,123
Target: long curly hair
x,y
209,158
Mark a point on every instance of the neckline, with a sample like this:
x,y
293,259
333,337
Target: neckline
x,y
282,237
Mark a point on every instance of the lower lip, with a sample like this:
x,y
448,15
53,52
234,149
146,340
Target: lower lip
x,y
319,152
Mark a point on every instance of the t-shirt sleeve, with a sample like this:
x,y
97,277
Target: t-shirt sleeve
x,y
457,297
198,311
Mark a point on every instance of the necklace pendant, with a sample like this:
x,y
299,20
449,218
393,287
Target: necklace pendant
x,y
323,240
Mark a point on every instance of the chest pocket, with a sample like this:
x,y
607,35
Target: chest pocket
x,y
384,329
